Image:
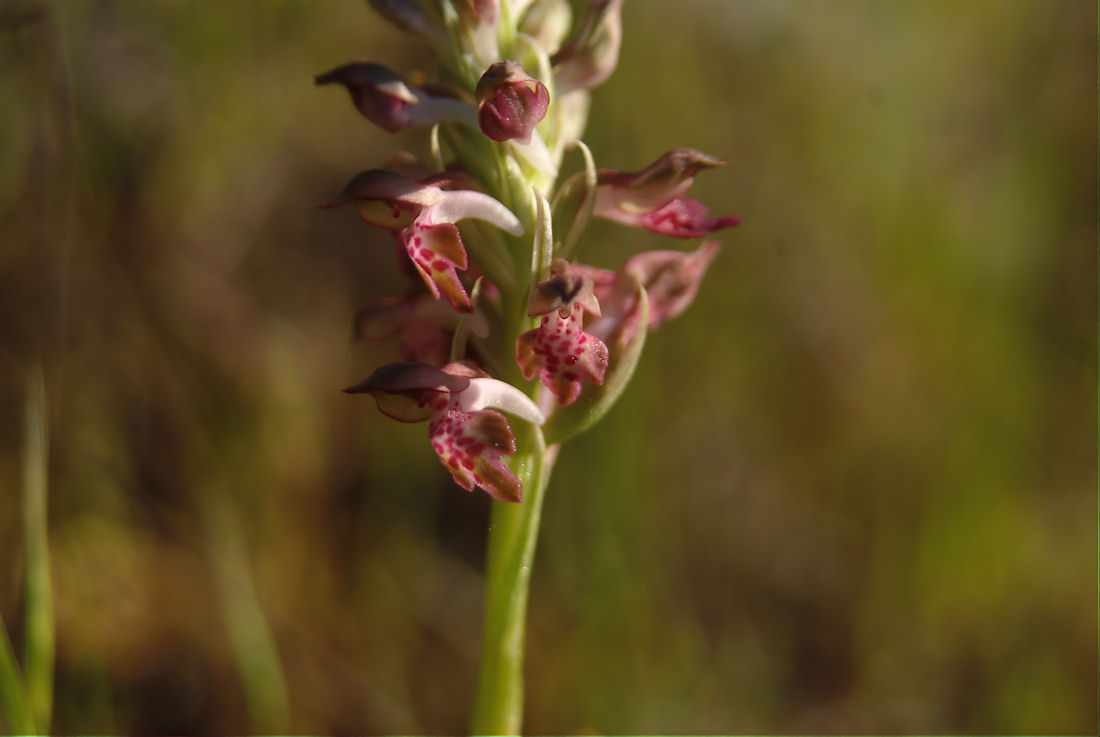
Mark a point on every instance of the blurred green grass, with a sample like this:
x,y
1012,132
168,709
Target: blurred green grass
x,y
853,489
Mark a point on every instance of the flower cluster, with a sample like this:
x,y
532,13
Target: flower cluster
x,y
499,312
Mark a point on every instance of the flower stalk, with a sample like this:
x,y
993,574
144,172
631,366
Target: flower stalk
x,y
526,345
513,534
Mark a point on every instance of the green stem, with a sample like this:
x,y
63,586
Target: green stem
x,y
513,532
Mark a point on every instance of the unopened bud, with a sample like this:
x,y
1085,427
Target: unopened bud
x,y
388,102
510,103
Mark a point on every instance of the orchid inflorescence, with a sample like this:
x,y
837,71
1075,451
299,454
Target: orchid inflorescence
x,y
500,315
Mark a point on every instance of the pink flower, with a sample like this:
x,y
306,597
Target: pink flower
x,y
469,439
423,327
422,216
387,101
510,103
559,351
654,198
671,280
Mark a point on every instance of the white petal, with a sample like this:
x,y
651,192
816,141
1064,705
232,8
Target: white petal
x,y
464,203
494,393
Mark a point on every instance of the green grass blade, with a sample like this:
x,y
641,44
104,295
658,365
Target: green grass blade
x,y
39,643
15,712
255,651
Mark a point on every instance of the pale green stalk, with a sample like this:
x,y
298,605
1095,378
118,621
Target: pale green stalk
x,y
513,532
513,528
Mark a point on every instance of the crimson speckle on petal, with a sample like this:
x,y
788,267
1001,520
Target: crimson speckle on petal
x,y
422,216
560,340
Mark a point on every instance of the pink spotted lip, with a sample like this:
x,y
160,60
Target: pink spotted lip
x,y
559,352
469,438
423,216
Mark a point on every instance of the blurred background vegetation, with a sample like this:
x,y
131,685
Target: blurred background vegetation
x,y
853,489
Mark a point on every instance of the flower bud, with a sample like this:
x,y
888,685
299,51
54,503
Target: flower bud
x,y
387,101
510,103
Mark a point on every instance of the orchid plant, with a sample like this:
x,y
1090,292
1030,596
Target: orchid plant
x,y
511,344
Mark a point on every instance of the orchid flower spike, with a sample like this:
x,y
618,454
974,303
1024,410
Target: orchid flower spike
x,y
558,351
469,439
386,100
422,216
